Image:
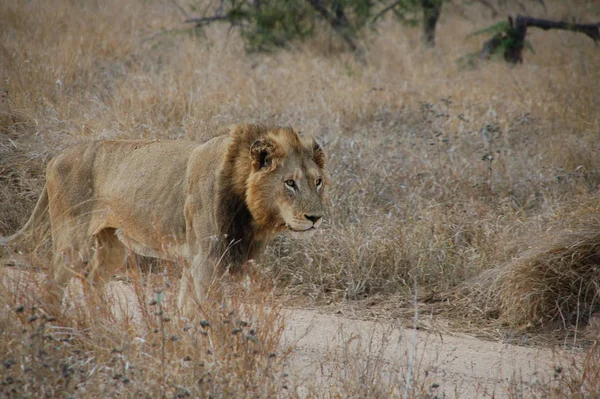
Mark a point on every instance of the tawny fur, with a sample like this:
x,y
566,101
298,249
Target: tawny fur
x,y
212,205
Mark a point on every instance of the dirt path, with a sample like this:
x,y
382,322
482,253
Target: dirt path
x,y
330,351
447,366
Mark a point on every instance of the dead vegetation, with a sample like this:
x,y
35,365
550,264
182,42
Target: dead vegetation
x,y
552,281
140,348
555,281
462,181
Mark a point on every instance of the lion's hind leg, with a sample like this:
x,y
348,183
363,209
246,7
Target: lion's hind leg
x,y
109,255
93,259
68,261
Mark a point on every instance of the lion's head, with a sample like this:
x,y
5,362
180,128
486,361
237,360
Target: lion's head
x,y
287,181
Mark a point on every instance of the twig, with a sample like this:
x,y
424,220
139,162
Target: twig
x,y
413,349
339,23
181,10
206,20
385,10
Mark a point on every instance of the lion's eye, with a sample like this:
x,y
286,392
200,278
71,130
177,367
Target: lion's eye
x,y
319,182
290,183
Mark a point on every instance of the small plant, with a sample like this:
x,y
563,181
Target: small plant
x,y
506,41
489,134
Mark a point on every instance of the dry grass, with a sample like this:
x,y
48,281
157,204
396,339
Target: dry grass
x,y
551,282
580,378
359,367
555,281
439,173
141,347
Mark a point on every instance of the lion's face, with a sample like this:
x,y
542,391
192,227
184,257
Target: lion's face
x,y
287,183
299,196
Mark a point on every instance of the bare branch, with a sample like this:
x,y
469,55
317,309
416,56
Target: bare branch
x,y
385,10
519,24
591,30
339,23
181,10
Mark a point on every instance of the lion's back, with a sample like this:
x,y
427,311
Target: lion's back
x,y
105,165
126,184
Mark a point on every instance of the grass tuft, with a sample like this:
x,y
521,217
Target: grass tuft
x,y
557,280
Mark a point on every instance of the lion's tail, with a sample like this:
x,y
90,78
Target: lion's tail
x,y
36,221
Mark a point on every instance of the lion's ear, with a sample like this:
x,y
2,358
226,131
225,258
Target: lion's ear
x,y
318,154
261,152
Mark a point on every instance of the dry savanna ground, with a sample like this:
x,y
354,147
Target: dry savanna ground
x,y
470,191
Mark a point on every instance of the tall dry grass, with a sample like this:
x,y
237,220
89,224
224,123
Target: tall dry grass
x,y
438,172
134,343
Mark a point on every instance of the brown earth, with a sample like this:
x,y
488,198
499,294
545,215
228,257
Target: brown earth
x,y
329,350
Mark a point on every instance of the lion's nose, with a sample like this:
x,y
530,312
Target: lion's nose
x,y
313,218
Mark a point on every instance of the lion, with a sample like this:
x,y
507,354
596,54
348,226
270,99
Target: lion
x,y
214,205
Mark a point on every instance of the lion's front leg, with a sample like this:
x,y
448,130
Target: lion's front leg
x,y
196,280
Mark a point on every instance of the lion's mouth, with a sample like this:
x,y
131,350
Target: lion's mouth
x,y
290,228
301,231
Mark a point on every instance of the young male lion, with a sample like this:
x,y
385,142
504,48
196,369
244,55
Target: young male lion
x,y
215,205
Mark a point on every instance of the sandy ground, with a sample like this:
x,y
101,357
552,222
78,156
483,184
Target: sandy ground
x,y
331,350
446,366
